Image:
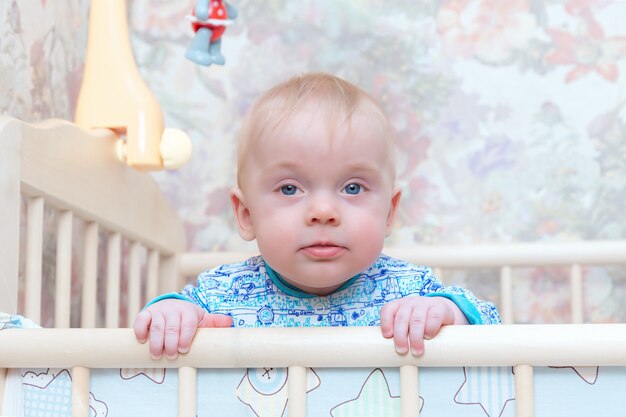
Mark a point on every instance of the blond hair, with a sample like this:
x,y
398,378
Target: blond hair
x,y
338,97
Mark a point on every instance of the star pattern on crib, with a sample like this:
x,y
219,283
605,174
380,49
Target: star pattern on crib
x,y
49,394
264,390
374,399
589,374
156,375
489,387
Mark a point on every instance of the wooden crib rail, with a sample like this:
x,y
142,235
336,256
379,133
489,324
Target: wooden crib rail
x,y
520,346
332,347
598,252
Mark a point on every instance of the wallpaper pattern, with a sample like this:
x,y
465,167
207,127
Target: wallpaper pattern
x,y
510,114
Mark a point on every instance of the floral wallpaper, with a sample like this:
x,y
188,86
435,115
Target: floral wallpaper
x,y
511,115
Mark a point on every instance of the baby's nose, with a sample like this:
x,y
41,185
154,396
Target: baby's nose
x,y
323,211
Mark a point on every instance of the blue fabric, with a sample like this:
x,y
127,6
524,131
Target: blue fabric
x,y
256,297
289,289
469,310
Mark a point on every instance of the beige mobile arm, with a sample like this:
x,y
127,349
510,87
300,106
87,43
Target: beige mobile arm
x,y
113,95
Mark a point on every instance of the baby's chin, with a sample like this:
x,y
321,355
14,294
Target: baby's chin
x,y
318,288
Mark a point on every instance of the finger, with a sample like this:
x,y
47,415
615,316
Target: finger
x,y
215,320
416,330
401,328
157,335
387,314
141,326
436,318
188,327
172,334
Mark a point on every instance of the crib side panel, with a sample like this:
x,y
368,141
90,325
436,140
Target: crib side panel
x,y
9,213
75,170
94,219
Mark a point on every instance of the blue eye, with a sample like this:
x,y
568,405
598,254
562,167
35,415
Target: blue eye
x,y
288,189
352,188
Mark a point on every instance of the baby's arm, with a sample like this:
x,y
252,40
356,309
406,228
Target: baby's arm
x,y
412,319
171,324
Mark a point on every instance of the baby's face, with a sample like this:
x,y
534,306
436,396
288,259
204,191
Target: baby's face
x,y
320,206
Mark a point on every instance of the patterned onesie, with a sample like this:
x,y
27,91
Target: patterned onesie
x,y
254,295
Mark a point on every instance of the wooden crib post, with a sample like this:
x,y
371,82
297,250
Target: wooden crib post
x,y
34,254
409,391
169,274
506,295
152,279
576,281
90,276
187,391
80,391
9,214
296,389
62,311
524,391
134,283
112,311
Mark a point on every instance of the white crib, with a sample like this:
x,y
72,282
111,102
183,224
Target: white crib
x,y
59,166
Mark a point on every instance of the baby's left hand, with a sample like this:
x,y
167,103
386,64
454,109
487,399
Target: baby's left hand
x,y
410,320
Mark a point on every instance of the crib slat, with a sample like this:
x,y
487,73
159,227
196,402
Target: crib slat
x,y
169,274
524,391
63,270
576,280
152,280
3,379
80,391
90,276
187,391
506,295
34,245
409,391
296,380
134,283
112,313
439,274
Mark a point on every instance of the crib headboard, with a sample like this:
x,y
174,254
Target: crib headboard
x,y
74,172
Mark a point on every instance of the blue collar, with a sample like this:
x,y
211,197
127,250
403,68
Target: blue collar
x,y
293,291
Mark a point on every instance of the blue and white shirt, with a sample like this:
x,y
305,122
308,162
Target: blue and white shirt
x,y
254,295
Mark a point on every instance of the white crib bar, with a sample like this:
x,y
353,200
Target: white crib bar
x,y
524,391
80,391
112,312
409,391
506,295
34,245
152,279
134,283
296,391
505,345
90,276
604,252
62,299
576,280
187,391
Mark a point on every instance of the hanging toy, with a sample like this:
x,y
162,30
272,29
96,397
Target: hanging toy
x,y
209,20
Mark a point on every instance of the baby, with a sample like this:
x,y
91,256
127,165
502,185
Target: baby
x,y
316,189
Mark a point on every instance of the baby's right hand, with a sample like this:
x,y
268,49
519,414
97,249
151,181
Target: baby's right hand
x,y
171,324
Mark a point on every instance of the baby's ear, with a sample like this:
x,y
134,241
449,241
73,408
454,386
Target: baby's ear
x,y
242,214
393,209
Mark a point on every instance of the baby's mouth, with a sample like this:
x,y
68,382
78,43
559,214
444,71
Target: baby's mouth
x,y
323,251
